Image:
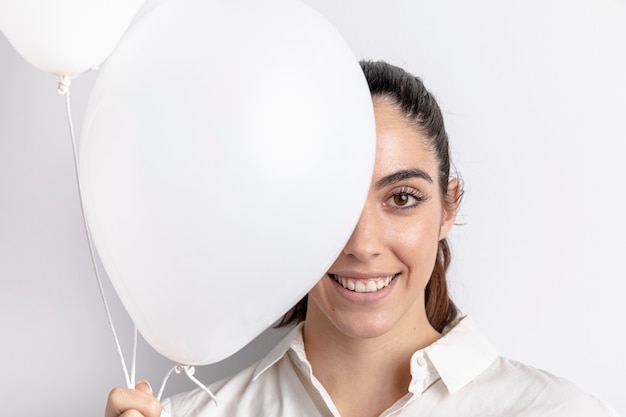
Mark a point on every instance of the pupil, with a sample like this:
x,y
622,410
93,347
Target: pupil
x,y
401,199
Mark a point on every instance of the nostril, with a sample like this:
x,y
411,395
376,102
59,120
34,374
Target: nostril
x,y
363,251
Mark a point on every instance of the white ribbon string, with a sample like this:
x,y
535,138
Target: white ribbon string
x,y
189,371
134,362
63,89
167,376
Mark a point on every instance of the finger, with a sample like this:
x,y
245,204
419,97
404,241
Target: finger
x,y
144,386
131,413
122,400
135,413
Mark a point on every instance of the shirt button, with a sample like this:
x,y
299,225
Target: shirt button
x,y
421,361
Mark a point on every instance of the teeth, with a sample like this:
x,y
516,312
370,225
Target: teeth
x,y
361,285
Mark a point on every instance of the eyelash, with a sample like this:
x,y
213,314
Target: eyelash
x,y
408,192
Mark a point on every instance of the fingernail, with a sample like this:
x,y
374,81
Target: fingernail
x,y
143,381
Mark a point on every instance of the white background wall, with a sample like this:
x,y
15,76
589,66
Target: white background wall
x,y
535,101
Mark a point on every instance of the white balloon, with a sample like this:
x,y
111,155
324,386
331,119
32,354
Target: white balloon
x,y
65,37
227,151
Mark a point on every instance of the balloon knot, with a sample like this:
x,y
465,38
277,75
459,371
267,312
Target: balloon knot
x,y
187,369
64,85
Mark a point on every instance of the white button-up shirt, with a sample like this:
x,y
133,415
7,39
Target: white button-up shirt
x,y
460,375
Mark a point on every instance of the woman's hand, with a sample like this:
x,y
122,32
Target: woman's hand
x,y
138,402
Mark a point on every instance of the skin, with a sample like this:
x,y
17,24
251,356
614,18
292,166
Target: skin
x,y
354,341
138,402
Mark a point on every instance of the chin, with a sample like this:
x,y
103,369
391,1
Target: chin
x,y
363,328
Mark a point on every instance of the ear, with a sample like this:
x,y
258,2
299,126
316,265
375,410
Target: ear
x,y
450,207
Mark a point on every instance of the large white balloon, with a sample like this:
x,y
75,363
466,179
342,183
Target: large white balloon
x,y
227,151
65,37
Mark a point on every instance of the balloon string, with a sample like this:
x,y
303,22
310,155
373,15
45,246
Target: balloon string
x,y
189,371
134,362
129,383
167,376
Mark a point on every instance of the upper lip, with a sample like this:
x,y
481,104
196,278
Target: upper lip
x,y
362,275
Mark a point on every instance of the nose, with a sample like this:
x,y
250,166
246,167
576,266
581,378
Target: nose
x,y
367,240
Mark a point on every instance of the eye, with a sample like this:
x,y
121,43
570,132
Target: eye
x,y
404,199
401,199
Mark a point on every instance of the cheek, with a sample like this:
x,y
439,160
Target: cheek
x,y
317,293
313,293
415,243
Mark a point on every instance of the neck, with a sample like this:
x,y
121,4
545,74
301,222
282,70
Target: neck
x,y
351,367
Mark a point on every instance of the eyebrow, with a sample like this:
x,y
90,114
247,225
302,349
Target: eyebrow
x,y
403,175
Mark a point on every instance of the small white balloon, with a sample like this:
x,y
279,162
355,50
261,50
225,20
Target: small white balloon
x,y
227,151
66,37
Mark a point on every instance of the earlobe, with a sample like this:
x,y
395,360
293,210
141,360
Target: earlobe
x,y
451,202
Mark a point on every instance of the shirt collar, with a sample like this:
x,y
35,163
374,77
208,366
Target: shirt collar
x,y
461,354
458,357
294,340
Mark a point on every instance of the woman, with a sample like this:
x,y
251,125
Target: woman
x,y
378,335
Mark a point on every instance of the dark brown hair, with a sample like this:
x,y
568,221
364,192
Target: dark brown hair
x,y
408,93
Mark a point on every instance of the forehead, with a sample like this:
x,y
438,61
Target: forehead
x,y
398,144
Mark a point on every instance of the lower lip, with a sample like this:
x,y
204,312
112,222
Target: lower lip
x,y
364,297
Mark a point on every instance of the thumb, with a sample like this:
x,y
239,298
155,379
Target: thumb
x,y
144,386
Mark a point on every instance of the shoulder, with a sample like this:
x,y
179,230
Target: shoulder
x,y
528,391
277,391
273,384
477,377
197,403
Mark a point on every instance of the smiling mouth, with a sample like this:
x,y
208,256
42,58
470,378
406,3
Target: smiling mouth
x,y
363,285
